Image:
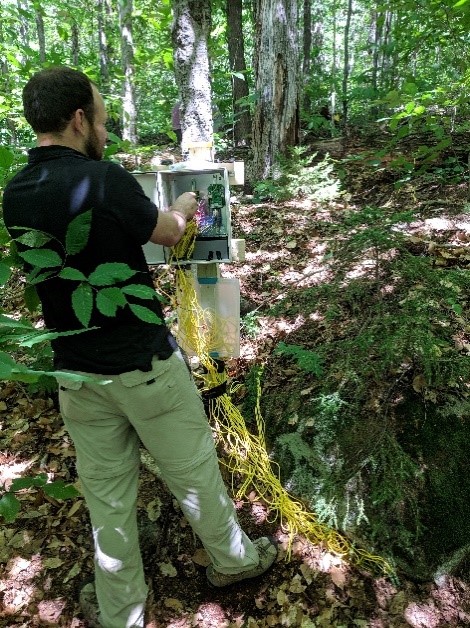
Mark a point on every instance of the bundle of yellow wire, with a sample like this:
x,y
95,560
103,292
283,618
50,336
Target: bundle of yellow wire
x,y
248,455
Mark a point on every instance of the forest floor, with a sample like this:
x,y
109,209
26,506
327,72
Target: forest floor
x,y
46,553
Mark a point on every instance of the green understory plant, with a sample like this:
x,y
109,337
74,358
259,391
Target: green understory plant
x,y
300,176
10,503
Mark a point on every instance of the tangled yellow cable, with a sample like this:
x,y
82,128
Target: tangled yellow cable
x,y
247,453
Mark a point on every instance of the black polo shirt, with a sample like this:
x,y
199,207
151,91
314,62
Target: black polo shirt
x,y
57,185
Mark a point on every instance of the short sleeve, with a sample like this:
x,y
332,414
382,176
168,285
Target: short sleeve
x,y
131,207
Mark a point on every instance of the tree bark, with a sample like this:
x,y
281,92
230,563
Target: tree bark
x,y
236,53
41,34
277,73
75,43
307,38
346,65
5,88
190,33
127,51
103,44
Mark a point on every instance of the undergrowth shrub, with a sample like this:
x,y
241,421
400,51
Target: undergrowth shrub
x,y
298,176
367,444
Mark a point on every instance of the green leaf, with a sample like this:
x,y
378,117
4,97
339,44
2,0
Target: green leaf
x,y
109,299
110,150
36,276
59,490
30,340
34,238
114,138
78,233
29,482
139,291
72,273
7,321
43,258
145,314
5,272
31,298
6,158
110,273
5,367
82,303
9,507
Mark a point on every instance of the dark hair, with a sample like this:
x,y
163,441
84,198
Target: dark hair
x,y
51,97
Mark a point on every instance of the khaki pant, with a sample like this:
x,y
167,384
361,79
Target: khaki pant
x,y
162,410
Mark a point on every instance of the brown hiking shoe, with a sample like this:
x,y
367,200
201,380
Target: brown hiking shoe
x,y
267,551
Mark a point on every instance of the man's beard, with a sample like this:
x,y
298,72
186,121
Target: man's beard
x,y
93,148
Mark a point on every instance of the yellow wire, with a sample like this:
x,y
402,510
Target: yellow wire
x,y
248,457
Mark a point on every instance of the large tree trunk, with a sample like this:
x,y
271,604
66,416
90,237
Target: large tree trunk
x,y
191,29
127,50
236,53
277,72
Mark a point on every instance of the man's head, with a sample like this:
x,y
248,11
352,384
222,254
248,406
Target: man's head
x,y
63,105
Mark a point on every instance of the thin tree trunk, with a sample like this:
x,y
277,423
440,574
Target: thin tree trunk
x,y
190,33
75,43
127,51
24,26
307,51
41,34
5,87
389,63
334,65
346,65
103,45
277,72
236,52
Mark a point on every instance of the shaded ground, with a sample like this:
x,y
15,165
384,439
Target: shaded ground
x,y
46,553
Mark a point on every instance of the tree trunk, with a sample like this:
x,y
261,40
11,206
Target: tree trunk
x,y
24,26
40,31
5,87
127,51
190,33
75,43
307,53
236,53
346,65
103,44
277,73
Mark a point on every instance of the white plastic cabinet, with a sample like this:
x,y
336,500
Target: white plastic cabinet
x,y
211,185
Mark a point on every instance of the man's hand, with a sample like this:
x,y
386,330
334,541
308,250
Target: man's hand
x,y
185,204
171,225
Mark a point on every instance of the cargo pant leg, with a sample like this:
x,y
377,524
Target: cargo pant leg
x,y
169,417
108,460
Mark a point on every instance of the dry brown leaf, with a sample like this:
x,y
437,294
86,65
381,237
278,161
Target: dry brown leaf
x,y
171,602
201,557
338,576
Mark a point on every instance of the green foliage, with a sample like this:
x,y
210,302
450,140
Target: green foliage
x,y
99,289
355,446
299,177
10,504
249,324
107,288
309,361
